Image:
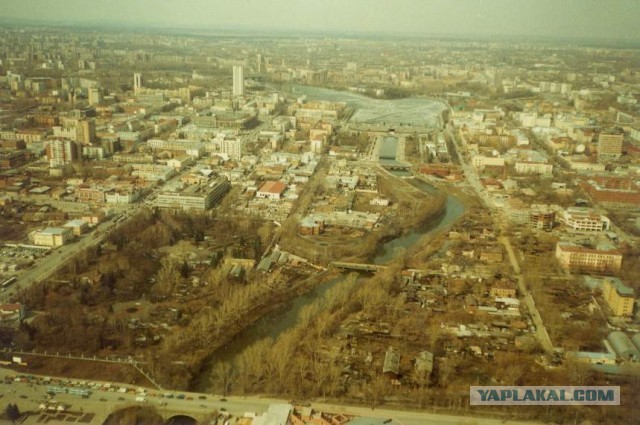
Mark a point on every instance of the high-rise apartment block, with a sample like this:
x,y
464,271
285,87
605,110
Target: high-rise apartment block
x,y
95,96
618,296
232,147
238,80
610,144
86,131
138,82
62,152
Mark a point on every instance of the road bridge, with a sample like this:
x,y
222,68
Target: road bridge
x,y
357,266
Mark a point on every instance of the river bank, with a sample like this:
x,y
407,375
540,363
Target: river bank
x,y
280,320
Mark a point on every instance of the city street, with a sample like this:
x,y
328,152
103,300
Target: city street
x,y
47,265
29,396
472,177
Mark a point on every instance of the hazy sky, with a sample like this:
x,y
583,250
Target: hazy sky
x,y
614,19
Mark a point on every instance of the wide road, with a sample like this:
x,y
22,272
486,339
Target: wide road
x,y
102,402
47,265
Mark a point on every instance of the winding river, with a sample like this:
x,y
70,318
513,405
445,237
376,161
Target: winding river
x,y
414,111
285,317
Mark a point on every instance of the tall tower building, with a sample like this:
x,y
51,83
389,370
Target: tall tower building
x,y
610,144
95,96
238,80
137,82
62,152
86,131
232,147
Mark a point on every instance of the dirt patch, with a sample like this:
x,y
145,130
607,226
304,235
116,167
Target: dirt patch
x,y
83,369
13,231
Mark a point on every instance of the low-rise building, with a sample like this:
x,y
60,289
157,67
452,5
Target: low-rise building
x,y
480,162
578,258
531,167
53,236
78,227
122,196
380,202
503,289
271,190
90,195
310,226
491,254
11,313
593,357
152,172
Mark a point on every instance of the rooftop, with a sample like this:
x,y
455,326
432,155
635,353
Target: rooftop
x,y
620,287
273,187
54,231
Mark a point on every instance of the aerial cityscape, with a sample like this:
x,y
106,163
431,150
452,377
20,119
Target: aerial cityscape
x,y
250,213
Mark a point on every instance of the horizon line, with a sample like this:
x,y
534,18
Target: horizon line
x,y
240,29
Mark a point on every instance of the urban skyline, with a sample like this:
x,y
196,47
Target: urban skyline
x,y
571,19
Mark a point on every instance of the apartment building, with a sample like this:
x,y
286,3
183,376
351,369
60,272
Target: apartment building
x,y
195,197
619,297
610,144
480,162
584,220
62,152
578,258
614,191
531,167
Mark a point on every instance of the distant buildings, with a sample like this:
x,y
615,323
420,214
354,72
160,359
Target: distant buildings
x,y
138,82
613,191
86,131
238,80
95,96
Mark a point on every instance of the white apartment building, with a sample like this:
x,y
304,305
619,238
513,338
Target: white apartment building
x,y
585,220
238,80
480,161
127,197
529,167
195,197
232,147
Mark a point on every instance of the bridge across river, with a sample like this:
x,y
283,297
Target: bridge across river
x,y
358,266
